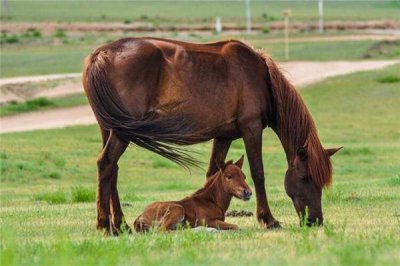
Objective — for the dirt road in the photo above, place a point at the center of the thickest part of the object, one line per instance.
(299, 73)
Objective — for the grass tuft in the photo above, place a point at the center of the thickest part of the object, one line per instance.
(81, 194)
(57, 197)
(55, 175)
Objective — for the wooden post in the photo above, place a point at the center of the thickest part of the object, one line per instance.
(321, 15)
(286, 14)
(248, 16)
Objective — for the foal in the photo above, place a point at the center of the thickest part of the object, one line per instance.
(207, 206)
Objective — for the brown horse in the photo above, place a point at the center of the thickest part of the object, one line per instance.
(159, 94)
(206, 207)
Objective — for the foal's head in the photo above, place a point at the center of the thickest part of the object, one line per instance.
(234, 180)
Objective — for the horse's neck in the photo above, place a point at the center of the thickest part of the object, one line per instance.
(216, 193)
(293, 123)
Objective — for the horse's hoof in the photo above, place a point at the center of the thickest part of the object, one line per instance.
(274, 225)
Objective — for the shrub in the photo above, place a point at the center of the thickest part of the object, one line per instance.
(9, 38)
(39, 102)
(389, 79)
(60, 33)
(35, 33)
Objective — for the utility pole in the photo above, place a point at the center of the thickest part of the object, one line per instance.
(218, 25)
(248, 16)
(6, 8)
(286, 14)
(321, 15)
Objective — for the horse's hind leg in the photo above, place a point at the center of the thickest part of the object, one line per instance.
(219, 151)
(252, 136)
(116, 210)
(113, 148)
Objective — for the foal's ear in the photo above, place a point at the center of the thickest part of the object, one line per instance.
(302, 153)
(332, 151)
(239, 163)
(220, 164)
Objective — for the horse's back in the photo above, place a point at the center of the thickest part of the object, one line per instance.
(207, 81)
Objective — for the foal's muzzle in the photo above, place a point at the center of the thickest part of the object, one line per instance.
(246, 195)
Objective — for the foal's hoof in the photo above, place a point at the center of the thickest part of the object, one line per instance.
(274, 225)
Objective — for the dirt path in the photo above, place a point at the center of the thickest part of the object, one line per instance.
(299, 73)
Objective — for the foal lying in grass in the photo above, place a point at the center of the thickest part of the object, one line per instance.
(206, 207)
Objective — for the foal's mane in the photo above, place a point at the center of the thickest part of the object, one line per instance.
(295, 126)
(210, 181)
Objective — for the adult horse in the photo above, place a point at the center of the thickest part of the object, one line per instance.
(159, 94)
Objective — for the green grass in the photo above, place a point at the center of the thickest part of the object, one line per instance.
(362, 225)
(67, 56)
(13, 108)
(162, 12)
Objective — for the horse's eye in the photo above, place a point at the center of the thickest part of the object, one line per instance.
(228, 176)
(304, 178)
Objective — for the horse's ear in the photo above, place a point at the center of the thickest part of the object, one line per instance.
(332, 151)
(239, 163)
(302, 153)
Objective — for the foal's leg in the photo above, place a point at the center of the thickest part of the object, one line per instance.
(219, 151)
(107, 174)
(252, 136)
(221, 225)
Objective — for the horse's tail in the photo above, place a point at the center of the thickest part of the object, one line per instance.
(159, 135)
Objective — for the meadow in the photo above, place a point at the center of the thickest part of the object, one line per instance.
(203, 11)
(64, 52)
(48, 182)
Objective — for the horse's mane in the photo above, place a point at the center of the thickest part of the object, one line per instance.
(295, 126)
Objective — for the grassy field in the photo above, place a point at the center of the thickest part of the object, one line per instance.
(42, 103)
(48, 181)
(66, 54)
(163, 12)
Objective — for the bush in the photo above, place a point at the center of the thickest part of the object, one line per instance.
(39, 102)
(35, 33)
(389, 79)
(60, 33)
(9, 38)
(265, 30)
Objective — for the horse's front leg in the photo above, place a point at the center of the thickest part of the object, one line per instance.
(219, 151)
(107, 181)
(252, 137)
(221, 225)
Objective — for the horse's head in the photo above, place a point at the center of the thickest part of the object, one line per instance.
(306, 176)
(234, 179)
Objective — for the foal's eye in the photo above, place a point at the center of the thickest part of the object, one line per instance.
(228, 176)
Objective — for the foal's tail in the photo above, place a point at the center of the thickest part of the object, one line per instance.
(159, 135)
